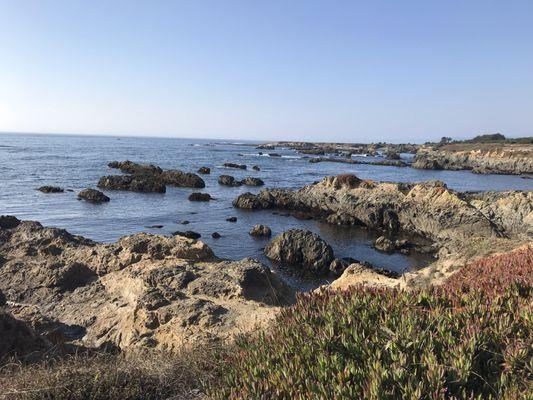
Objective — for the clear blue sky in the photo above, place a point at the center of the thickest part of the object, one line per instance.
(312, 70)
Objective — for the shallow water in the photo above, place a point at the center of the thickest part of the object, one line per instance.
(77, 162)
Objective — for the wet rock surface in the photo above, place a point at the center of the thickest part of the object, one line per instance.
(260, 230)
(196, 196)
(250, 181)
(50, 189)
(188, 234)
(144, 290)
(93, 196)
(228, 180)
(233, 165)
(134, 183)
(204, 170)
(301, 248)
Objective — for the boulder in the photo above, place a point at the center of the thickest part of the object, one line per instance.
(248, 201)
(50, 189)
(204, 170)
(260, 230)
(216, 235)
(228, 180)
(250, 181)
(197, 196)
(301, 248)
(384, 244)
(93, 195)
(233, 165)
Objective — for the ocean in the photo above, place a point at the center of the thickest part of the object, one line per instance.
(77, 162)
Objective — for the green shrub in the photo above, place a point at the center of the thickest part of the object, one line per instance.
(366, 343)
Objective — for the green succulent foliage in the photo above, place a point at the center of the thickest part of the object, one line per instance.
(386, 344)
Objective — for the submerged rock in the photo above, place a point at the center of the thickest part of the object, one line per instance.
(216, 235)
(204, 170)
(302, 248)
(233, 165)
(231, 219)
(260, 230)
(93, 195)
(256, 168)
(50, 189)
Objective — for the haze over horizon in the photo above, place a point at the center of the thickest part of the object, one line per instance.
(309, 70)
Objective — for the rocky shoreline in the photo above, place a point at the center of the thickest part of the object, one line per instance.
(511, 159)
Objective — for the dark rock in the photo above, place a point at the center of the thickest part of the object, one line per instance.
(50, 189)
(215, 235)
(130, 167)
(188, 234)
(338, 265)
(384, 244)
(185, 222)
(178, 178)
(92, 195)
(260, 230)
(135, 183)
(299, 247)
(256, 168)
(197, 196)
(228, 180)
(155, 226)
(233, 165)
(8, 222)
(204, 170)
(392, 155)
(274, 155)
(231, 219)
(266, 147)
(248, 201)
(250, 181)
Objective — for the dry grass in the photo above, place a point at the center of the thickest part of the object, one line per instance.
(144, 375)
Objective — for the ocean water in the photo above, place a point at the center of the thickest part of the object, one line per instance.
(77, 162)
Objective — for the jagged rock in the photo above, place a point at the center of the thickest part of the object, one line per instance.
(93, 195)
(50, 189)
(233, 165)
(228, 180)
(144, 290)
(302, 248)
(260, 230)
(134, 183)
(250, 181)
(188, 234)
(196, 196)
(256, 168)
(8, 222)
(392, 155)
(204, 170)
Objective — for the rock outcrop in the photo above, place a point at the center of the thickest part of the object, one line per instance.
(93, 196)
(427, 209)
(144, 290)
(148, 178)
(301, 248)
(233, 165)
(488, 158)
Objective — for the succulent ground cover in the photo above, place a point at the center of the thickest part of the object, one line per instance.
(470, 338)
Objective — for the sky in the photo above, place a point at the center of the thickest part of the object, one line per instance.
(398, 71)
